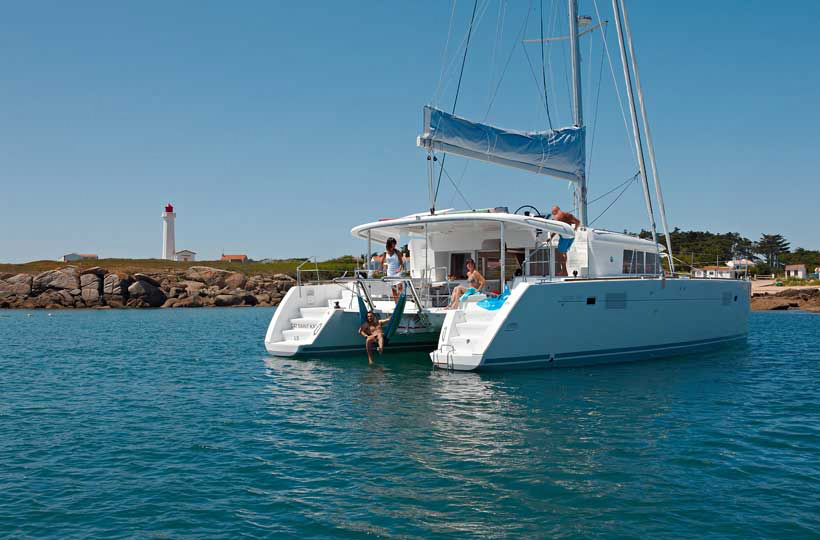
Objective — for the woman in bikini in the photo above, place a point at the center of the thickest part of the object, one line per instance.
(474, 279)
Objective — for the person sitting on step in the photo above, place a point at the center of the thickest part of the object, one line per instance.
(474, 279)
(373, 333)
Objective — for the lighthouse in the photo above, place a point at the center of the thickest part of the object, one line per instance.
(168, 244)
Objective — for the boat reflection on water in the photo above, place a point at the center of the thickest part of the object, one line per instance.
(540, 442)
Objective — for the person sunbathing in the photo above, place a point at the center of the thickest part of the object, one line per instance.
(474, 279)
(373, 333)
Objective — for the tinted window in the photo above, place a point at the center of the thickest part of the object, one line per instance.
(629, 262)
(639, 266)
(651, 263)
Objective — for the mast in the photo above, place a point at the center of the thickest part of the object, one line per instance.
(577, 111)
(634, 116)
(649, 145)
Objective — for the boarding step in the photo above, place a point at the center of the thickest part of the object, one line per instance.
(467, 345)
(298, 334)
(480, 314)
(472, 329)
(305, 322)
(313, 312)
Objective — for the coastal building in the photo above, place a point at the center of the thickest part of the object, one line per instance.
(797, 271)
(725, 272)
(742, 264)
(168, 247)
(234, 258)
(73, 257)
(186, 255)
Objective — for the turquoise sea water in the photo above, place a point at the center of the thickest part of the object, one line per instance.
(177, 424)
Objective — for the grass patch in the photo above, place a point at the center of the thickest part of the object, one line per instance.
(800, 282)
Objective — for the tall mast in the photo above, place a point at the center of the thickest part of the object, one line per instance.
(634, 116)
(649, 146)
(577, 111)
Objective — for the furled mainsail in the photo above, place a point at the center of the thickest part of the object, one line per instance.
(558, 153)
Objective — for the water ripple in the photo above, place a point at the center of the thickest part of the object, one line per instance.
(175, 424)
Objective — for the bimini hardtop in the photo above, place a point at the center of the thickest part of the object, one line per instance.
(452, 226)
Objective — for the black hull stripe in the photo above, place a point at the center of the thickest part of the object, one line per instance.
(613, 352)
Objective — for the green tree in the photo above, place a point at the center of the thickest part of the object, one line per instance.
(771, 246)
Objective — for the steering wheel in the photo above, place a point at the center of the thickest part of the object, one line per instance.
(537, 212)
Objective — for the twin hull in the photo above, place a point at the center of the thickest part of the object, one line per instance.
(543, 324)
(584, 322)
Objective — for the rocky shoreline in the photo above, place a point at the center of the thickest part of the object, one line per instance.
(199, 286)
(796, 299)
(71, 287)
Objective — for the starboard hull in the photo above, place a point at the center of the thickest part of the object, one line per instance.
(588, 322)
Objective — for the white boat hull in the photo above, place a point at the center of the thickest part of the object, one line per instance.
(317, 320)
(586, 322)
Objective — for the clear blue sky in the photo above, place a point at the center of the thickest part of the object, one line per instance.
(273, 128)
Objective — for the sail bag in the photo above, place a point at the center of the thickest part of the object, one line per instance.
(558, 152)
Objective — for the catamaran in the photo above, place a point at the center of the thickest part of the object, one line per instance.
(614, 302)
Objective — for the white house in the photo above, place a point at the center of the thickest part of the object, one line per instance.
(185, 255)
(797, 271)
(740, 264)
(724, 272)
(73, 257)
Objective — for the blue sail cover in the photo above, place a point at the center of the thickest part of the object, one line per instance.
(557, 153)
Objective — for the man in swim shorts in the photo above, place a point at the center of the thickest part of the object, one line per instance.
(372, 331)
(563, 244)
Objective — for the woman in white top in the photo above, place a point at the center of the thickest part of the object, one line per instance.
(392, 261)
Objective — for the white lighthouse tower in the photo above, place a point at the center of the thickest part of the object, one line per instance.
(168, 244)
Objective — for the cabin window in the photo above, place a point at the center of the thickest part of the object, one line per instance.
(639, 265)
(458, 265)
(640, 262)
(629, 262)
(651, 263)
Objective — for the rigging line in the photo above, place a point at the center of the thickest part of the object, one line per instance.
(507, 64)
(616, 199)
(460, 180)
(499, 34)
(457, 52)
(552, 31)
(622, 184)
(565, 63)
(615, 84)
(535, 78)
(543, 68)
(444, 54)
(456, 187)
(458, 90)
(595, 115)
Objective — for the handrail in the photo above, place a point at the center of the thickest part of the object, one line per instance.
(366, 294)
(299, 273)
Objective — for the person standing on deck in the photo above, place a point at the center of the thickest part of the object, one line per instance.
(563, 243)
(391, 262)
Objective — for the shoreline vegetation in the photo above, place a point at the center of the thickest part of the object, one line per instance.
(152, 283)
